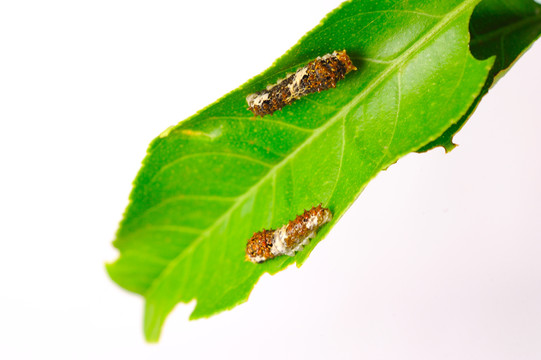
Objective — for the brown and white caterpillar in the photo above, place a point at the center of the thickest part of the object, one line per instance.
(320, 74)
(288, 239)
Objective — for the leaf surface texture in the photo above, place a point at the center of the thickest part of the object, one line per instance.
(213, 180)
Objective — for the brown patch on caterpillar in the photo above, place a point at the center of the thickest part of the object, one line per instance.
(288, 239)
(320, 74)
(259, 246)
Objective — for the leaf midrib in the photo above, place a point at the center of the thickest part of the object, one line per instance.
(394, 65)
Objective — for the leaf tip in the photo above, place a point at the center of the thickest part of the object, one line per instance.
(152, 323)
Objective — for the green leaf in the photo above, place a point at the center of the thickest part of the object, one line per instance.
(504, 29)
(209, 183)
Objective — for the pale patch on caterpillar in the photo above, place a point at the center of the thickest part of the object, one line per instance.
(320, 74)
(288, 239)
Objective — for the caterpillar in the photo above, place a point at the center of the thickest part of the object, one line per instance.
(320, 74)
(288, 239)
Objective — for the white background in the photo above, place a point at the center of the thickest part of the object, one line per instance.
(438, 259)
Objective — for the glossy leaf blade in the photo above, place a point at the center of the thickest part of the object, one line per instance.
(213, 180)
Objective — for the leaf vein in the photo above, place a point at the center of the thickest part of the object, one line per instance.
(263, 120)
(210, 153)
(273, 205)
(383, 12)
(343, 150)
(180, 198)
